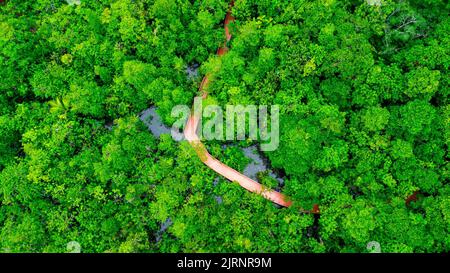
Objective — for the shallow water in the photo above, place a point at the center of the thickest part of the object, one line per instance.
(258, 164)
(218, 199)
(153, 122)
(192, 71)
(164, 226)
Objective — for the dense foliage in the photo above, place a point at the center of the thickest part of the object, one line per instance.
(365, 123)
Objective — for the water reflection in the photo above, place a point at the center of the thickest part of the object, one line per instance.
(192, 71)
(164, 226)
(259, 164)
(153, 122)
